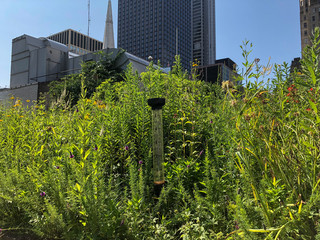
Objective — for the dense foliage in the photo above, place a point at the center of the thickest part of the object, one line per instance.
(239, 164)
(93, 73)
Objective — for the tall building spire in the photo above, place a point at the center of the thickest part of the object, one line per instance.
(108, 39)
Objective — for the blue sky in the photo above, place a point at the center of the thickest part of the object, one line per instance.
(271, 25)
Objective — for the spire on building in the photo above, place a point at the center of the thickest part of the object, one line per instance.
(108, 39)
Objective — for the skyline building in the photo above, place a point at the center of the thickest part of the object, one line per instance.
(160, 29)
(203, 32)
(163, 29)
(309, 19)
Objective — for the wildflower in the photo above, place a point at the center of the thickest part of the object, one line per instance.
(290, 89)
(308, 109)
(71, 155)
(1, 120)
(232, 103)
(211, 121)
(96, 148)
(8, 115)
(194, 65)
(188, 166)
(140, 162)
(77, 110)
(122, 222)
(311, 89)
(12, 98)
(139, 169)
(21, 116)
(126, 148)
(236, 225)
(57, 167)
(299, 73)
(288, 94)
(201, 153)
(42, 194)
(27, 100)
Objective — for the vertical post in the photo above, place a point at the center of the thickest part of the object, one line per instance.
(177, 40)
(157, 131)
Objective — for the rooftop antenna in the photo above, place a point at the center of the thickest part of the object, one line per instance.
(89, 19)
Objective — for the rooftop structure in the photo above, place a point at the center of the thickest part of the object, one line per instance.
(77, 42)
(38, 61)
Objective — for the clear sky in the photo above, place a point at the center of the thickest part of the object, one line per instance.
(271, 25)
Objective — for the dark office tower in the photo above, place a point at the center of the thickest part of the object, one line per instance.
(203, 32)
(160, 29)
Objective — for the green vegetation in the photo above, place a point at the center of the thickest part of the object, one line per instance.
(238, 164)
(93, 73)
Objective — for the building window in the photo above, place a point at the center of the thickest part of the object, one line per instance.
(305, 33)
(305, 25)
(313, 18)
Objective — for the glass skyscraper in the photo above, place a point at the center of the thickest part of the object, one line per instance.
(163, 29)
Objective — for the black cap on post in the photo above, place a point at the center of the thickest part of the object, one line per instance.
(156, 103)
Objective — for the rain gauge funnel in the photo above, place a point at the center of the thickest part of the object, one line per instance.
(157, 132)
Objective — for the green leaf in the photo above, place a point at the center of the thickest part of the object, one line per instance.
(313, 106)
(312, 74)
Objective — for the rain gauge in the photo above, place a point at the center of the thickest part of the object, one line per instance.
(157, 134)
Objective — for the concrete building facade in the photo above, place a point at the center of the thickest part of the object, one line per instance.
(309, 19)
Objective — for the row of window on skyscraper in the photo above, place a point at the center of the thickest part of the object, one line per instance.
(77, 42)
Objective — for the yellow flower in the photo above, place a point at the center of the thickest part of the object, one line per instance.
(21, 116)
(8, 115)
(86, 116)
(95, 102)
(88, 100)
(1, 120)
(27, 100)
(299, 73)
(12, 98)
(194, 65)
